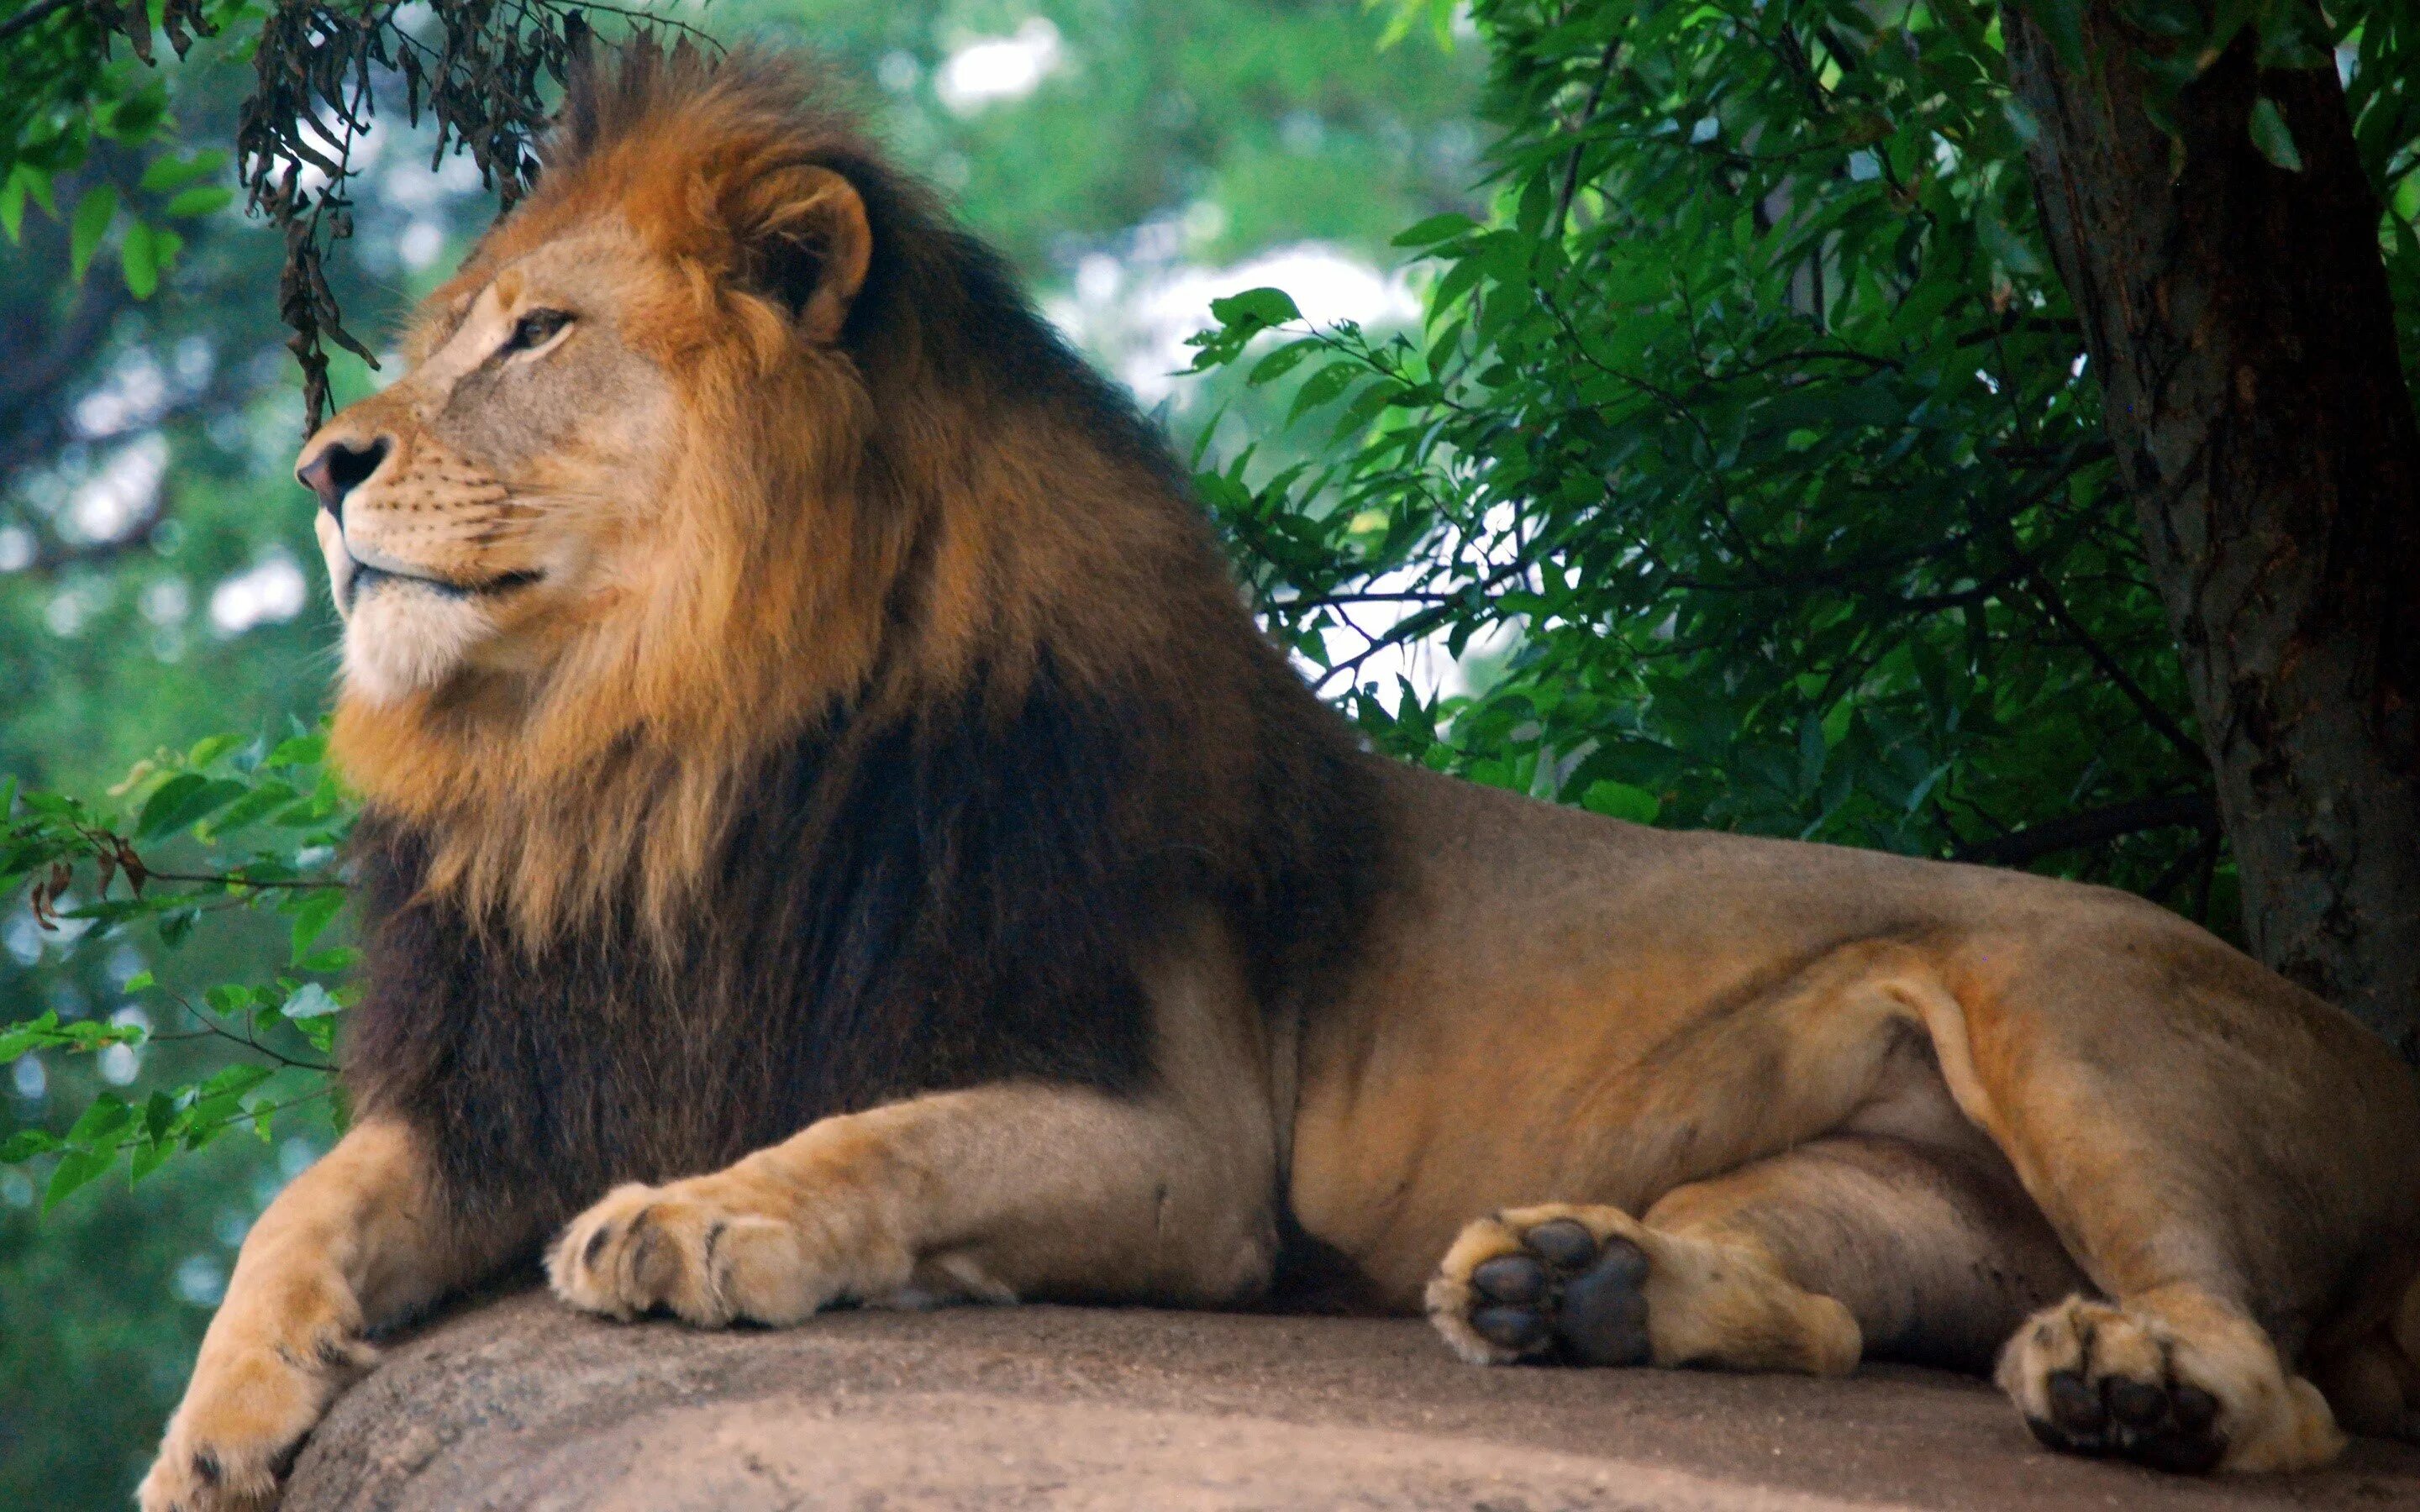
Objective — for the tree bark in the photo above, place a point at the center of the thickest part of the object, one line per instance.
(2238, 318)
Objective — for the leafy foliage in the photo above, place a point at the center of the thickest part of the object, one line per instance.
(1755, 419)
(268, 822)
(68, 95)
(476, 65)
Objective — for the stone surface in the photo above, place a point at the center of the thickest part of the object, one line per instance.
(521, 1404)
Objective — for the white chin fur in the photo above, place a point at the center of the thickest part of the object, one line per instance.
(402, 640)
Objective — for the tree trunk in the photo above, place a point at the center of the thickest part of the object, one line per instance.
(2238, 318)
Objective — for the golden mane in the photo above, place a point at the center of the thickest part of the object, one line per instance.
(859, 528)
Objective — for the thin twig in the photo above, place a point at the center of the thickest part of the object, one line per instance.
(1586, 115)
(247, 1038)
(33, 15)
(234, 879)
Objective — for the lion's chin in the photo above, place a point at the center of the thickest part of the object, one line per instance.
(400, 639)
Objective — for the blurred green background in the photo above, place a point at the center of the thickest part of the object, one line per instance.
(159, 581)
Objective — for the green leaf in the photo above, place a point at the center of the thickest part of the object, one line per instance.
(165, 802)
(140, 981)
(1262, 306)
(134, 117)
(265, 799)
(25, 1144)
(139, 256)
(1321, 387)
(312, 917)
(2270, 136)
(12, 202)
(105, 1121)
(1434, 229)
(340, 958)
(233, 1081)
(165, 174)
(149, 1157)
(297, 751)
(184, 800)
(33, 1034)
(1619, 800)
(211, 748)
(76, 1168)
(1279, 363)
(93, 214)
(198, 201)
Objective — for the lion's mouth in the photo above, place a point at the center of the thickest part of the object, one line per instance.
(365, 576)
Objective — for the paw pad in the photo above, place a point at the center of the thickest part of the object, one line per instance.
(1563, 1295)
(2113, 1389)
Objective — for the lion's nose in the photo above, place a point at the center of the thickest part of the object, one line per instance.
(338, 468)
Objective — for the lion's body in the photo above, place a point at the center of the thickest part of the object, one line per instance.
(1551, 1005)
(835, 833)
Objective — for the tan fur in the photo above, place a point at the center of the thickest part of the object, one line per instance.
(2208, 1144)
(1842, 1102)
(354, 1245)
(603, 726)
(1001, 1193)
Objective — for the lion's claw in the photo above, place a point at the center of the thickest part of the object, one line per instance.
(681, 1250)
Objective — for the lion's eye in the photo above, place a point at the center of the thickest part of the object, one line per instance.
(534, 329)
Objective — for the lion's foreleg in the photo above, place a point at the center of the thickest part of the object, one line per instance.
(353, 1243)
(995, 1193)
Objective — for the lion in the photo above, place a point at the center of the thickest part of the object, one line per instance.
(835, 833)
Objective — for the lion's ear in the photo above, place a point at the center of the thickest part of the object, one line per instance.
(805, 242)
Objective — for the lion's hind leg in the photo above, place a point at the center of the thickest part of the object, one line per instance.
(2369, 1367)
(2223, 1156)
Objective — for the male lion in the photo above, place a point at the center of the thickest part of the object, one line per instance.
(832, 833)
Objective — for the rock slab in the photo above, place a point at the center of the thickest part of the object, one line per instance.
(520, 1404)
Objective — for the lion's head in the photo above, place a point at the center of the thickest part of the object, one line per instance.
(547, 490)
(721, 430)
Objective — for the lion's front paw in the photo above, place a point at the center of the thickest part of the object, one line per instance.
(1546, 1282)
(696, 1255)
(243, 1420)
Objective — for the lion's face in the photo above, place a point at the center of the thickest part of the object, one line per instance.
(477, 513)
(606, 541)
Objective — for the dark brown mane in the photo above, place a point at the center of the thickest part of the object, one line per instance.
(1073, 738)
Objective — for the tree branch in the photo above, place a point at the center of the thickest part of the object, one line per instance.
(1587, 113)
(32, 16)
(2097, 827)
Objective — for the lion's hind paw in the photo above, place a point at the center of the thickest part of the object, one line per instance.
(2096, 1379)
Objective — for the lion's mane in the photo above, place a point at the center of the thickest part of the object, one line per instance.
(961, 716)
